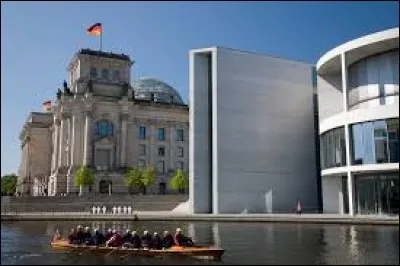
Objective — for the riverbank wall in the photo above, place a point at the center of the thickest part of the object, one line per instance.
(172, 216)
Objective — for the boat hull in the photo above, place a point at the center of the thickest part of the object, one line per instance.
(196, 252)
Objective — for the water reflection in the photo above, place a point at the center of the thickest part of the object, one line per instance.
(248, 243)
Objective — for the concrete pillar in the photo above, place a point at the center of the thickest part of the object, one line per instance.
(87, 141)
(124, 128)
(344, 82)
(350, 183)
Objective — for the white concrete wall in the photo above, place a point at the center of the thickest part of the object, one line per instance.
(332, 194)
(330, 97)
(263, 140)
(200, 187)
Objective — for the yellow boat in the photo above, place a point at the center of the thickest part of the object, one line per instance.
(196, 252)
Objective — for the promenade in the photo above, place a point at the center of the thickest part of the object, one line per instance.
(176, 216)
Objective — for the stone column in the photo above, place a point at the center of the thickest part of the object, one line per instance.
(124, 129)
(61, 148)
(69, 152)
(72, 140)
(56, 140)
(87, 141)
(153, 149)
(68, 143)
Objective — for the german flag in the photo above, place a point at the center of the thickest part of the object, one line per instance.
(96, 29)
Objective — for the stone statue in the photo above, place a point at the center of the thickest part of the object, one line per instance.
(89, 87)
(125, 88)
(59, 93)
(67, 90)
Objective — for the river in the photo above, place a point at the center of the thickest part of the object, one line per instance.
(24, 243)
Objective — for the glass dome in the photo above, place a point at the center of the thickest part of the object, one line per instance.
(162, 91)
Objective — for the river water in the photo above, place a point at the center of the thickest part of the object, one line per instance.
(24, 243)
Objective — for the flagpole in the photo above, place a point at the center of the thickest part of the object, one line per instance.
(101, 40)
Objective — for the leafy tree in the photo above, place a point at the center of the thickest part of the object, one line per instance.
(8, 184)
(180, 181)
(84, 176)
(148, 177)
(133, 178)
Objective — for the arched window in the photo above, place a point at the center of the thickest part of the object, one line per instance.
(104, 128)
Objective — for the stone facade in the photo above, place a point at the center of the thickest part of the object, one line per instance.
(98, 122)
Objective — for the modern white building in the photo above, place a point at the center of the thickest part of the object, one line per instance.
(252, 143)
(358, 97)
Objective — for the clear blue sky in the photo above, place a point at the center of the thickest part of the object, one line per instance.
(38, 39)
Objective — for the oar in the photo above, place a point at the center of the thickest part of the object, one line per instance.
(111, 251)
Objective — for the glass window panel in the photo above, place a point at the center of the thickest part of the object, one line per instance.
(161, 167)
(161, 134)
(179, 134)
(105, 73)
(357, 147)
(368, 143)
(161, 151)
(393, 136)
(142, 132)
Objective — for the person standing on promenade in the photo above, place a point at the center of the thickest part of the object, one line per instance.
(298, 208)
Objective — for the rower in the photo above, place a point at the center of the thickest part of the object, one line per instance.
(182, 240)
(135, 240)
(127, 237)
(155, 243)
(98, 238)
(57, 236)
(115, 240)
(168, 240)
(80, 234)
(73, 237)
(109, 234)
(146, 239)
(87, 236)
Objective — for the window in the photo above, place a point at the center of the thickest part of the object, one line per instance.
(102, 158)
(104, 128)
(93, 72)
(179, 165)
(105, 74)
(161, 151)
(142, 149)
(179, 134)
(142, 132)
(161, 167)
(115, 75)
(180, 152)
(161, 134)
(141, 164)
(375, 142)
(333, 153)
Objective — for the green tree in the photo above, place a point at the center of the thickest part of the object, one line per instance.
(180, 181)
(148, 178)
(133, 178)
(8, 184)
(84, 176)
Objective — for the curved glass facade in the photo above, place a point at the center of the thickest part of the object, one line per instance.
(377, 193)
(162, 92)
(333, 148)
(374, 81)
(375, 142)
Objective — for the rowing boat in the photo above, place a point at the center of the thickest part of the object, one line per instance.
(196, 252)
